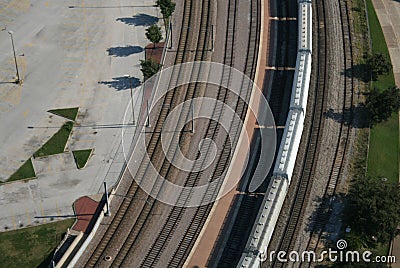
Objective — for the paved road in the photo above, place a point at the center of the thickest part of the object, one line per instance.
(388, 12)
(70, 54)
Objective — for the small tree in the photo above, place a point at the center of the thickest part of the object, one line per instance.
(153, 33)
(149, 68)
(381, 104)
(167, 8)
(379, 64)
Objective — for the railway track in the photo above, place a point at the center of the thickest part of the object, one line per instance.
(325, 210)
(307, 173)
(165, 234)
(120, 225)
(131, 217)
(191, 233)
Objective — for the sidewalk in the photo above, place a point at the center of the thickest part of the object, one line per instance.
(388, 12)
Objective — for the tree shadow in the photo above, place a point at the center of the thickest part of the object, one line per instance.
(317, 220)
(139, 20)
(124, 51)
(356, 116)
(122, 83)
(361, 72)
(326, 215)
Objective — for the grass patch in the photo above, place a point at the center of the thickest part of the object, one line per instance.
(57, 143)
(383, 157)
(26, 171)
(82, 157)
(30, 247)
(69, 113)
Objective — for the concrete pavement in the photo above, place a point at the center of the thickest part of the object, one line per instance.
(70, 54)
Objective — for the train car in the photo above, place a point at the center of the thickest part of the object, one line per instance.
(290, 143)
(255, 251)
(267, 217)
(305, 26)
(301, 82)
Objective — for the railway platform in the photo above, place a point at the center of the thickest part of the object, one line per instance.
(85, 209)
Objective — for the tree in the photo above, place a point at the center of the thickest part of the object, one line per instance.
(374, 208)
(167, 8)
(149, 68)
(379, 64)
(381, 104)
(153, 33)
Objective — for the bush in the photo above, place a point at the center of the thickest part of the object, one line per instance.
(381, 104)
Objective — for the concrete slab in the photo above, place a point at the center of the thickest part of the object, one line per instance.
(395, 57)
(385, 21)
(391, 40)
(69, 54)
(378, 4)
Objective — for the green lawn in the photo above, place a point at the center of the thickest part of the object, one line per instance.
(69, 113)
(26, 171)
(30, 247)
(57, 143)
(81, 157)
(383, 157)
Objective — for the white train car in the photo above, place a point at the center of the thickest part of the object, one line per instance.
(305, 26)
(255, 251)
(301, 81)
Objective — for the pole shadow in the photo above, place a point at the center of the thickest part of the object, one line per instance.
(119, 6)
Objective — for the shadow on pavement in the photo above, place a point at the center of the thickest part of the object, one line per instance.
(122, 83)
(124, 51)
(139, 20)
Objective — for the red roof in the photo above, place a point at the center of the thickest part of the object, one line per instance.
(85, 208)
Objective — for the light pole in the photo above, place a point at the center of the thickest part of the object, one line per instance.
(131, 89)
(15, 57)
(107, 214)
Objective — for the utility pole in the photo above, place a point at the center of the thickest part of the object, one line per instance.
(18, 80)
(107, 214)
(212, 37)
(170, 33)
(148, 115)
(192, 129)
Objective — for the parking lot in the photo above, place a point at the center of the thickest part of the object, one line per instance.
(69, 54)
